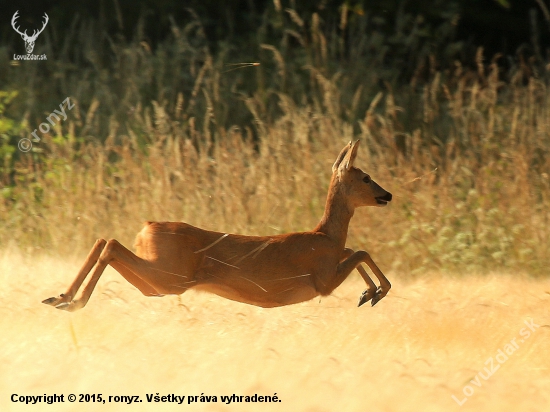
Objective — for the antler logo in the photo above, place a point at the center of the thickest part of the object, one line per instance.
(29, 40)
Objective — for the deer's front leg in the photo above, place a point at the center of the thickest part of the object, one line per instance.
(385, 284)
(370, 291)
(354, 261)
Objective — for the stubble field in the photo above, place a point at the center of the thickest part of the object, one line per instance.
(418, 347)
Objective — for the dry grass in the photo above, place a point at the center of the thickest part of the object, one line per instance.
(423, 343)
(170, 134)
(473, 211)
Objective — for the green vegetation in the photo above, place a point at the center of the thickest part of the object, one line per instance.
(178, 133)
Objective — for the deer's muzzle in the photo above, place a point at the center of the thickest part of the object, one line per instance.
(383, 200)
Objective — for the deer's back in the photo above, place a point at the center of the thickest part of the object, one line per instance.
(277, 255)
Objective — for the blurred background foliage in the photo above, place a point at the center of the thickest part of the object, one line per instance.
(450, 98)
(96, 48)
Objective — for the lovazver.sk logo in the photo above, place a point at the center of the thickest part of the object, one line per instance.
(29, 40)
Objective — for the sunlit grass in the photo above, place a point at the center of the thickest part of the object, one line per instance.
(421, 344)
(166, 134)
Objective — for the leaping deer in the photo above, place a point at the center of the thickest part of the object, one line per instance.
(29, 40)
(267, 271)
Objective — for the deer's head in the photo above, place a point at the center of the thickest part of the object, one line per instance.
(357, 186)
(29, 40)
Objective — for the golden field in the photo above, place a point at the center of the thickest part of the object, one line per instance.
(415, 349)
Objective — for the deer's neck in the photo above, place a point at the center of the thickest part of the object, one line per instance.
(338, 213)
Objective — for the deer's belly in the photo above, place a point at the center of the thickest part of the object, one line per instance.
(265, 296)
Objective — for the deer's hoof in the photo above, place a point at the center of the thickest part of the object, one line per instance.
(378, 295)
(55, 301)
(367, 295)
(69, 306)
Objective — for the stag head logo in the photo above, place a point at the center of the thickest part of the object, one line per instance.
(29, 40)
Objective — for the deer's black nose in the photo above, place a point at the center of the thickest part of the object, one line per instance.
(386, 198)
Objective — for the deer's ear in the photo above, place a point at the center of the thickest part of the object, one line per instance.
(350, 155)
(341, 156)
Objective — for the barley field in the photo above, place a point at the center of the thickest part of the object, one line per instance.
(414, 350)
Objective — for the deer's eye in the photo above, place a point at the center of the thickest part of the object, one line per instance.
(367, 179)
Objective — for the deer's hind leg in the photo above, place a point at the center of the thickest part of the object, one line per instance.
(89, 263)
(149, 277)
